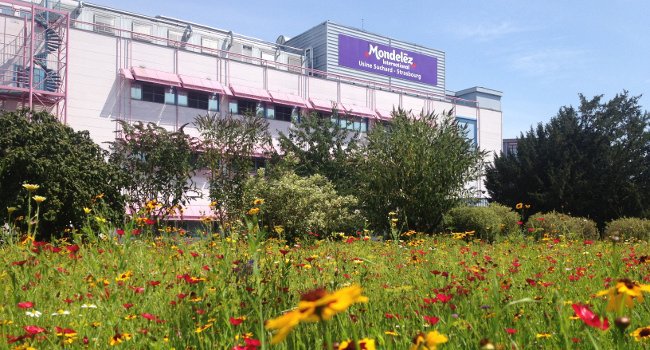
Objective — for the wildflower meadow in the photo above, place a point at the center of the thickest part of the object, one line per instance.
(143, 287)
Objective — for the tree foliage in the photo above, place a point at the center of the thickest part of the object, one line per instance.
(68, 166)
(316, 145)
(417, 167)
(228, 146)
(592, 161)
(155, 165)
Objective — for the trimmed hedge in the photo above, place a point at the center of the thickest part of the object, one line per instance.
(554, 224)
(627, 228)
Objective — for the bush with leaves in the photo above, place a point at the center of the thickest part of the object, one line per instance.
(484, 222)
(509, 219)
(295, 206)
(417, 167)
(156, 167)
(627, 228)
(554, 224)
(69, 167)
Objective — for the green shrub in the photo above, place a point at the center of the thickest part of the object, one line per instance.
(554, 224)
(301, 205)
(69, 167)
(627, 228)
(484, 221)
(509, 219)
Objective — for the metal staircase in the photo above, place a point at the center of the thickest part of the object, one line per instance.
(52, 41)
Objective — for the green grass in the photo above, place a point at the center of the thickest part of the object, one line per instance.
(182, 285)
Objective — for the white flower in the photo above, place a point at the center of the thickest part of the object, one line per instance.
(33, 314)
(88, 306)
(61, 312)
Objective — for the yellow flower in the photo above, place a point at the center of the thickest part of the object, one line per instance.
(253, 211)
(258, 201)
(365, 343)
(543, 335)
(39, 199)
(11, 209)
(315, 306)
(119, 338)
(30, 187)
(124, 276)
(519, 206)
(202, 328)
(87, 210)
(625, 292)
(642, 333)
(392, 333)
(429, 341)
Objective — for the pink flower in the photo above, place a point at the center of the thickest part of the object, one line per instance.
(33, 330)
(25, 305)
(589, 317)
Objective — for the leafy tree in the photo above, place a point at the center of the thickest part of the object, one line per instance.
(228, 146)
(592, 161)
(68, 166)
(418, 167)
(156, 167)
(315, 145)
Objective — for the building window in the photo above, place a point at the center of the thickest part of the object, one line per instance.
(173, 96)
(284, 113)
(210, 46)
(21, 77)
(213, 103)
(182, 98)
(198, 100)
(104, 24)
(174, 38)
(469, 125)
(259, 163)
(141, 32)
(350, 122)
(250, 107)
(148, 92)
(136, 91)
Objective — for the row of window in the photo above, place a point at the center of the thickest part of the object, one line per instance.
(264, 110)
(205, 101)
(174, 96)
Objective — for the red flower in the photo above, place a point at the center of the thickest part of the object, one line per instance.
(25, 305)
(443, 298)
(127, 305)
(236, 321)
(149, 317)
(153, 283)
(511, 330)
(432, 320)
(33, 330)
(119, 231)
(589, 317)
(72, 248)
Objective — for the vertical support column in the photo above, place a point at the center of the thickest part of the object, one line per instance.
(31, 60)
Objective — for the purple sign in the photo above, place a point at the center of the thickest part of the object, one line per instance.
(386, 60)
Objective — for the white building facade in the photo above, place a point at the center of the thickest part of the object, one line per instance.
(93, 65)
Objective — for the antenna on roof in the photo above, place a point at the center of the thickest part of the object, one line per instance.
(362, 24)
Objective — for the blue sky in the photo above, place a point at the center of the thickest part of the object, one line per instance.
(541, 54)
